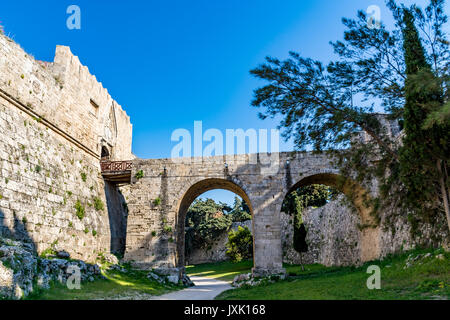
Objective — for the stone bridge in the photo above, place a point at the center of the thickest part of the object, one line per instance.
(161, 194)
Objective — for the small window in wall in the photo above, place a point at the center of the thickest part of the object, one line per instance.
(105, 154)
(94, 109)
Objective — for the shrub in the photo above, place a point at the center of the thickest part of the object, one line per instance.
(240, 244)
(83, 176)
(98, 204)
(80, 211)
(48, 252)
(139, 174)
(157, 201)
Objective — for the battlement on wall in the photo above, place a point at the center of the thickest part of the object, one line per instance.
(69, 68)
(65, 94)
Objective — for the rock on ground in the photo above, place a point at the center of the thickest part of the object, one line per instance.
(21, 269)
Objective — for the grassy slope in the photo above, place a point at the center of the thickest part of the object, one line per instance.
(131, 285)
(428, 279)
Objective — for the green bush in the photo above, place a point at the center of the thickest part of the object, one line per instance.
(157, 201)
(98, 204)
(48, 252)
(139, 174)
(240, 244)
(80, 211)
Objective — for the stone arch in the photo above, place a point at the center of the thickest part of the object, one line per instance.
(190, 195)
(359, 196)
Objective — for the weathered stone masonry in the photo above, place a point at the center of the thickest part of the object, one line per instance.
(54, 120)
(155, 234)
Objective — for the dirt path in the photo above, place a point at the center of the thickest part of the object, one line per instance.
(204, 289)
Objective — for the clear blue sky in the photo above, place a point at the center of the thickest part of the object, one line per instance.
(169, 63)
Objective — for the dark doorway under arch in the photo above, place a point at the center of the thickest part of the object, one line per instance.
(105, 156)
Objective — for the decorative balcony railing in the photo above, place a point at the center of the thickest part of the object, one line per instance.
(115, 166)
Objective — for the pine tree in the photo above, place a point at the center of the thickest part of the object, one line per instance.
(326, 107)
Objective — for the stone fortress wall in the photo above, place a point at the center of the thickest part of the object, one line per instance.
(55, 121)
(55, 117)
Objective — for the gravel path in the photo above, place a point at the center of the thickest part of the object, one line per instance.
(204, 289)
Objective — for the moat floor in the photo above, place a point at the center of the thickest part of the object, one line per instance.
(204, 289)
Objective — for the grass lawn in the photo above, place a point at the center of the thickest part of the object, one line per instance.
(130, 286)
(428, 278)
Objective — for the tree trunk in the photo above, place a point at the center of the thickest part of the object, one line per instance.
(301, 261)
(443, 191)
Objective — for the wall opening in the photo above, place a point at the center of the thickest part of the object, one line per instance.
(105, 156)
(118, 217)
(323, 220)
(302, 223)
(94, 109)
(195, 208)
(209, 221)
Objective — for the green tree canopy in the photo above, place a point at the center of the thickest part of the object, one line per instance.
(206, 220)
(426, 147)
(375, 70)
(240, 244)
(240, 211)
